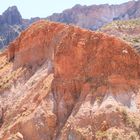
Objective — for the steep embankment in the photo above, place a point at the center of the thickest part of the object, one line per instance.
(70, 84)
(128, 30)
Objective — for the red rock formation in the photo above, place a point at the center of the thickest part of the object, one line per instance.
(91, 17)
(80, 81)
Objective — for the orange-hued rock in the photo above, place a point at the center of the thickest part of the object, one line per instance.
(71, 84)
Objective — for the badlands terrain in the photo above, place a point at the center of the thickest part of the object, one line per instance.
(61, 82)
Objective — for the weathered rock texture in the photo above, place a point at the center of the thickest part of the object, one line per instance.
(66, 83)
(95, 16)
(91, 17)
(11, 25)
(11, 16)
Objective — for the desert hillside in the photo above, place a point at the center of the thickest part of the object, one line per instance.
(128, 30)
(60, 82)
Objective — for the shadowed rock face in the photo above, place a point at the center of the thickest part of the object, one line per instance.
(11, 16)
(66, 83)
(132, 13)
(10, 25)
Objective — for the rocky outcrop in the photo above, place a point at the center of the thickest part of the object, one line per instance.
(8, 34)
(11, 16)
(91, 17)
(132, 13)
(67, 83)
(10, 25)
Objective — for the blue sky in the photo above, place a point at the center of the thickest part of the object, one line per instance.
(44, 8)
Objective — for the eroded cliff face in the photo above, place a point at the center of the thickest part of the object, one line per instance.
(69, 84)
(95, 16)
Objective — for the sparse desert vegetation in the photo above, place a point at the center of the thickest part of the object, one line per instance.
(128, 30)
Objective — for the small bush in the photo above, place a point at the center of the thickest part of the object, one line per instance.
(133, 136)
(136, 40)
(101, 135)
